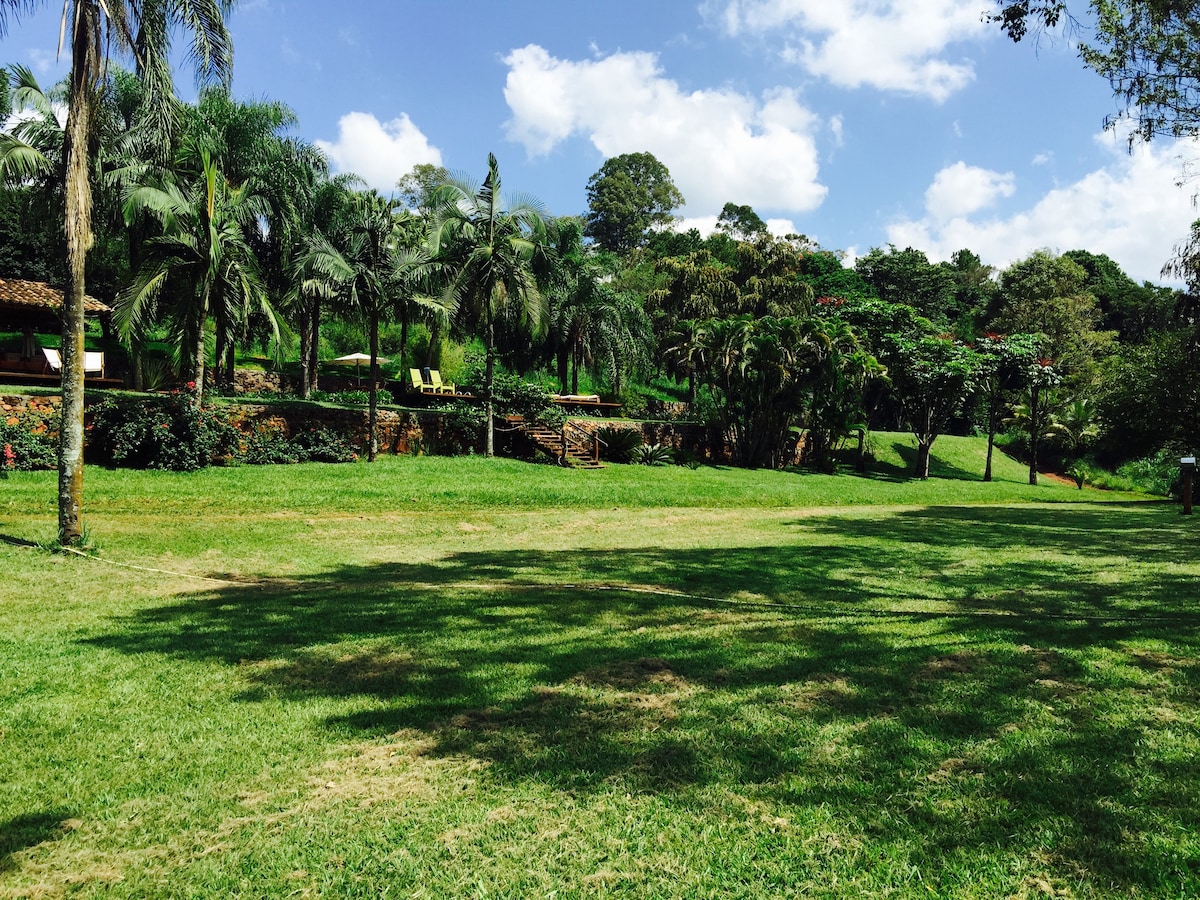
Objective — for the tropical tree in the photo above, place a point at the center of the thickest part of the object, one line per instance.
(761, 374)
(249, 143)
(1005, 362)
(490, 245)
(379, 260)
(143, 29)
(837, 407)
(1034, 414)
(201, 263)
(932, 377)
(592, 323)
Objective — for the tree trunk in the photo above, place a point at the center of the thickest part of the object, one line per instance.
(77, 226)
(923, 448)
(222, 343)
(198, 363)
(314, 348)
(1035, 430)
(403, 334)
(575, 373)
(435, 338)
(488, 371)
(305, 344)
(562, 369)
(373, 391)
(230, 363)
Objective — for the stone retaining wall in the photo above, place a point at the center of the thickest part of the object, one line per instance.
(398, 432)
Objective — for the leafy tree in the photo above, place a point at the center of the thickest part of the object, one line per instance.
(1149, 397)
(490, 245)
(824, 272)
(974, 292)
(1004, 365)
(143, 29)
(1035, 413)
(418, 187)
(741, 223)
(629, 195)
(1047, 295)
(932, 377)
(1149, 50)
(1132, 310)
(907, 276)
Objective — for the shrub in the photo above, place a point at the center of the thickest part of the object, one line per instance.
(172, 432)
(268, 446)
(461, 429)
(323, 445)
(1156, 474)
(652, 455)
(618, 444)
(24, 451)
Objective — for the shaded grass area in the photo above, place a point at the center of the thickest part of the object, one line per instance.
(738, 700)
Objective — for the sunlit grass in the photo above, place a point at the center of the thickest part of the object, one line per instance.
(466, 677)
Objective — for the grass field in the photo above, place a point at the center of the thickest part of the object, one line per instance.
(473, 678)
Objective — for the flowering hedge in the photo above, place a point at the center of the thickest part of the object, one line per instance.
(175, 432)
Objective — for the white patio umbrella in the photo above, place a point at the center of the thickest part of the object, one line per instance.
(356, 360)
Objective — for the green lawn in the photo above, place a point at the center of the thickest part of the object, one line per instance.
(468, 678)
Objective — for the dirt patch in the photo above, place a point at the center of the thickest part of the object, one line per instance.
(819, 692)
(964, 662)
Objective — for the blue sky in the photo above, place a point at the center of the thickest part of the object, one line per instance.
(855, 122)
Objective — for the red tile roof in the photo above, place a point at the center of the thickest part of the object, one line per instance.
(39, 295)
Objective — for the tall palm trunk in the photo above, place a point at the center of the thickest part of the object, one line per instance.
(305, 342)
(488, 372)
(77, 225)
(315, 347)
(373, 406)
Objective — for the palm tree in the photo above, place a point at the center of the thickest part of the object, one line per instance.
(201, 261)
(248, 143)
(377, 260)
(143, 29)
(491, 247)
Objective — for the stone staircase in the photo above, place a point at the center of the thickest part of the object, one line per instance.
(572, 446)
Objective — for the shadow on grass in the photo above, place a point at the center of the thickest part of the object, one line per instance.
(22, 832)
(938, 467)
(961, 679)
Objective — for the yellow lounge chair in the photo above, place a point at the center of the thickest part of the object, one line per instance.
(420, 384)
(441, 387)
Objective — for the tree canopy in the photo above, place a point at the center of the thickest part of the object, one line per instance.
(629, 195)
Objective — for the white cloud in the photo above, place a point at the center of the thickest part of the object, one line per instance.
(892, 45)
(719, 145)
(706, 225)
(838, 126)
(960, 190)
(1131, 209)
(379, 152)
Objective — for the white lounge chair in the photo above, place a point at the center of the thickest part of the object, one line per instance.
(93, 362)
